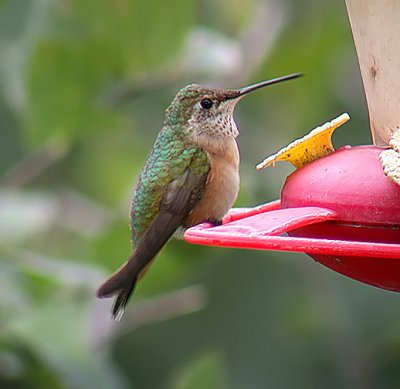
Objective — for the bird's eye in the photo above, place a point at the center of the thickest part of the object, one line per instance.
(206, 103)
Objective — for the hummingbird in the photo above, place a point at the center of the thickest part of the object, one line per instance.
(191, 176)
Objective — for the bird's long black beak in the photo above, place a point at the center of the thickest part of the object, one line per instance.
(251, 88)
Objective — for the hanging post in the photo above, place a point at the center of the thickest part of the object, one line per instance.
(375, 26)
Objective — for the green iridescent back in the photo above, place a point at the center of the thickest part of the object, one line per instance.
(171, 155)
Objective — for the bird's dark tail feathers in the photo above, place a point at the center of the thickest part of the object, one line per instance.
(122, 282)
(122, 300)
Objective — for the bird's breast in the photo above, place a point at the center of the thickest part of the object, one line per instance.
(221, 188)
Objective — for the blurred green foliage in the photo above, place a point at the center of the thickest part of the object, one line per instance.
(83, 88)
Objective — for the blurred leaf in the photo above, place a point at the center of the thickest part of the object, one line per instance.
(21, 24)
(71, 354)
(69, 72)
(207, 371)
(63, 89)
(23, 214)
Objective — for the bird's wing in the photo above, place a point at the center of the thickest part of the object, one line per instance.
(178, 199)
(168, 161)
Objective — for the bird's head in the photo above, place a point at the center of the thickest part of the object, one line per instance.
(207, 111)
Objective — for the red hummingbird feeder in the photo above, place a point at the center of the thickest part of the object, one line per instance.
(341, 210)
(340, 207)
